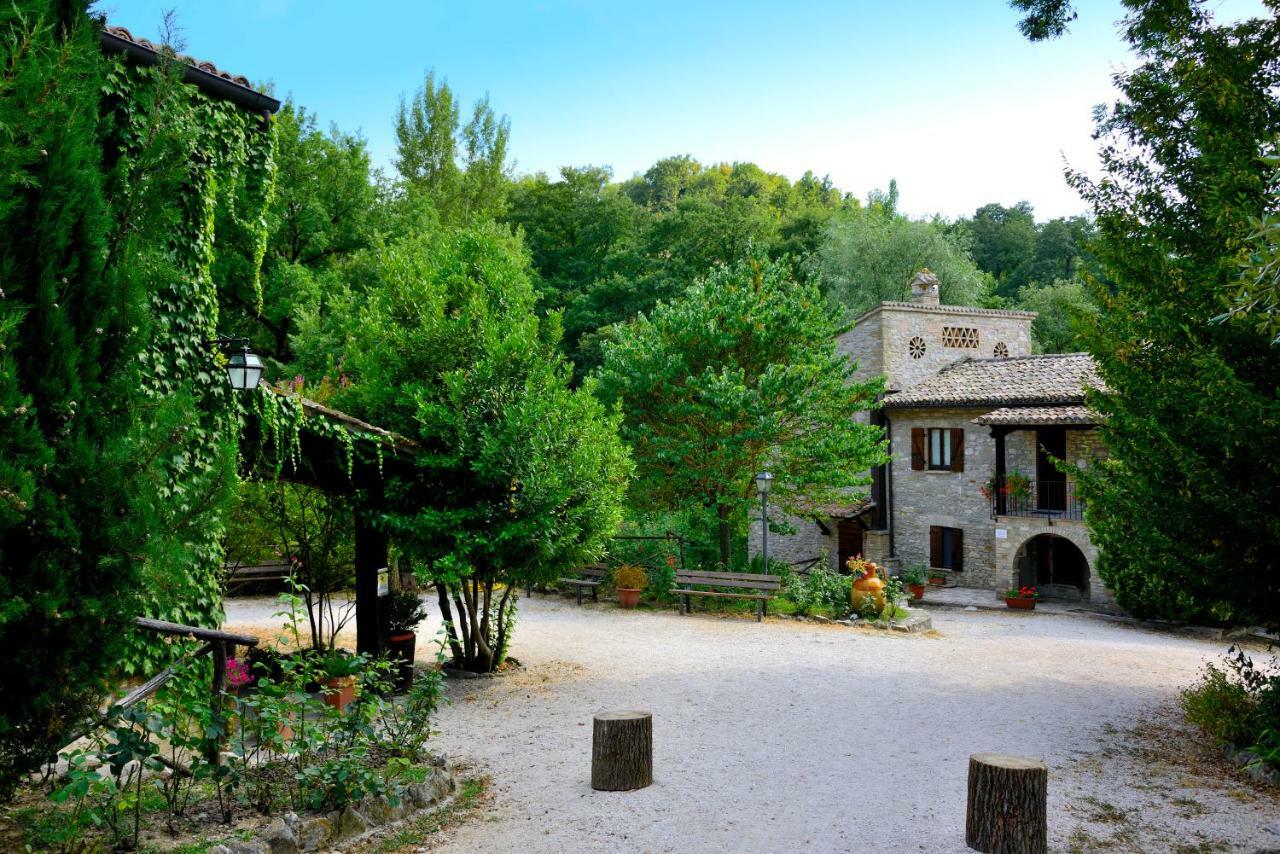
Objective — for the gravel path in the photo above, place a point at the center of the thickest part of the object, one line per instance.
(791, 736)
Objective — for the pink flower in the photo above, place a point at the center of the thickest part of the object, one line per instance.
(238, 673)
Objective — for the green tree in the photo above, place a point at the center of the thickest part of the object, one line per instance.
(1003, 243)
(1062, 309)
(74, 434)
(461, 169)
(320, 215)
(1186, 512)
(739, 374)
(870, 255)
(520, 477)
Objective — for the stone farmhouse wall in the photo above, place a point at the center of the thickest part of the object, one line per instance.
(922, 499)
(881, 339)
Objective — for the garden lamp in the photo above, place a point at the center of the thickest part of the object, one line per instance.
(244, 367)
(764, 483)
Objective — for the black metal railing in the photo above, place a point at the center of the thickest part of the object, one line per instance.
(1052, 499)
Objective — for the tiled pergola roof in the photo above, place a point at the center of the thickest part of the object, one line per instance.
(1052, 380)
(1038, 416)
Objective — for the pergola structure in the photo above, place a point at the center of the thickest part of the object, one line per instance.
(342, 466)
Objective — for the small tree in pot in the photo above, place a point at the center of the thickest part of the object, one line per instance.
(403, 611)
(630, 581)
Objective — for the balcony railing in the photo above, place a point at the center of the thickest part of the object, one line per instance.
(1051, 499)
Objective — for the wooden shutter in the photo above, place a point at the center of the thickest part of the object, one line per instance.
(957, 550)
(918, 436)
(957, 449)
(935, 546)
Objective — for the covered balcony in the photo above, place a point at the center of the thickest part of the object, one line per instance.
(1050, 493)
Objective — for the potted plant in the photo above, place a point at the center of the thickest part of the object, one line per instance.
(1022, 598)
(937, 577)
(630, 581)
(403, 611)
(913, 578)
(339, 682)
(867, 584)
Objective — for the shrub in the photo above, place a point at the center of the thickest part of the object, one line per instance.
(630, 577)
(818, 588)
(403, 611)
(1223, 706)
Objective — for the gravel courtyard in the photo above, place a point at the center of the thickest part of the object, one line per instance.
(794, 736)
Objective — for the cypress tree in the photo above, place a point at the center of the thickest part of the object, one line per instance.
(69, 411)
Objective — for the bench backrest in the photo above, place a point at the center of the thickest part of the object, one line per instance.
(745, 580)
(595, 571)
(269, 568)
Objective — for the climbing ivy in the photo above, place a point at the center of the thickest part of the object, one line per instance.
(182, 163)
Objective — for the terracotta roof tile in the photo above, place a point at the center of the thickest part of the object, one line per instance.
(1033, 416)
(1019, 381)
(209, 67)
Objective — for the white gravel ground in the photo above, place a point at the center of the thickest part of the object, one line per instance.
(788, 736)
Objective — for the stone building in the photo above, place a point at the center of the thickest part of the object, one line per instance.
(974, 421)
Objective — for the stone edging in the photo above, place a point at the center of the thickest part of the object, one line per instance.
(917, 621)
(1242, 756)
(293, 834)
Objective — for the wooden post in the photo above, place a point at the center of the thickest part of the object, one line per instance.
(1007, 811)
(622, 751)
(213, 747)
(371, 556)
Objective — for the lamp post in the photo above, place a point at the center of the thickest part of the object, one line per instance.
(764, 483)
(244, 367)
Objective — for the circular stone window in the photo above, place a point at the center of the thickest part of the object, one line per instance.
(916, 347)
(1001, 351)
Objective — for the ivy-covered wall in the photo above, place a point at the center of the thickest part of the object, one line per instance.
(189, 176)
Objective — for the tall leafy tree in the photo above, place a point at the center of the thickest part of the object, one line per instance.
(870, 255)
(322, 213)
(739, 374)
(520, 477)
(462, 169)
(1187, 510)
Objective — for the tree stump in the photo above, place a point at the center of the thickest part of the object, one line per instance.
(1007, 811)
(622, 751)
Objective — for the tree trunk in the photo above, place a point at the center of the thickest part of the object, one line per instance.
(722, 512)
(622, 751)
(1007, 811)
(446, 614)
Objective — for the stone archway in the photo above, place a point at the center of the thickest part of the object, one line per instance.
(1054, 565)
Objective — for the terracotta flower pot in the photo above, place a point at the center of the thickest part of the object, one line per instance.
(628, 598)
(937, 580)
(917, 592)
(341, 691)
(401, 647)
(1019, 603)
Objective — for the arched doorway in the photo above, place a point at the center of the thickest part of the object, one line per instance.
(1055, 566)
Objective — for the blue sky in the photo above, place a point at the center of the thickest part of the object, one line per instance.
(945, 96)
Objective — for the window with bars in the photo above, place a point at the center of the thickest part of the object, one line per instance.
(960, 337)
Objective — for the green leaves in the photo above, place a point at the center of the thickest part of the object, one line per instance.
(740, 374)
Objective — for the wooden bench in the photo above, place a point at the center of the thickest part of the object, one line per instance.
(762, 587)
(589, 578)
(271, 571)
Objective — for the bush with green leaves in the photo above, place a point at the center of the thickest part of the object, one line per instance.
(817, 588)
(1237, 703)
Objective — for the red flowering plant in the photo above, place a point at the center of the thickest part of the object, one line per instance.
(238, 674)
(1016, 485)
(1021, 593)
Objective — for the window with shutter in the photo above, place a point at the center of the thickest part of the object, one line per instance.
(917, 448)
(942, 447)
(957, 450)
